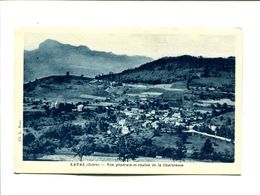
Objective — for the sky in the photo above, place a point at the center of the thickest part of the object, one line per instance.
(154, 43)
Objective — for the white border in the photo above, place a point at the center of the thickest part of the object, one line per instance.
(241, 14)
(133, 167)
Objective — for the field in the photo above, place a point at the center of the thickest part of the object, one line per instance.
(213, 82)
(101, 120)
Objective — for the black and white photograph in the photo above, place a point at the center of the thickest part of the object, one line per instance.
(129, 97)
(150, 95)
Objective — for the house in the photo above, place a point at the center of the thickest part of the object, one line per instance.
(93, 81)
(155, 124)
(213, 128)
(145, 124)
(211, 89)
(125, 130)
(80, 107)
(121, 122)
(176, 115)
(89, 107)
(54, 105)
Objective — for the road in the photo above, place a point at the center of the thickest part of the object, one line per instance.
(209, 135)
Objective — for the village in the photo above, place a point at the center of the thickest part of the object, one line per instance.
(149, 115)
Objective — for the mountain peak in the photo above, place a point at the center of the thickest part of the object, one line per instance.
(54, 58)
(50, 43)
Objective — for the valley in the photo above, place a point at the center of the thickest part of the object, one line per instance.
(99, 119)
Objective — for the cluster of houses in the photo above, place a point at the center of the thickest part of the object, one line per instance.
(199, 88)
(132, 115)
(131, 118)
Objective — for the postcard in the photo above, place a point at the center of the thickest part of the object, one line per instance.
(153, 100)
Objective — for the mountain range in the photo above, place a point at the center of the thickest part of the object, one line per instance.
(55, 58)
(172, 69)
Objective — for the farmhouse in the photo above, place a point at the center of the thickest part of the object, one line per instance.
(80, 107)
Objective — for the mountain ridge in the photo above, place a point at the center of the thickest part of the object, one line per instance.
(54, 58)
(172, 69)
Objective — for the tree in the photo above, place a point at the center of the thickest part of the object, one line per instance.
(224, 107)
(146, 147)
(167, 152)
(195, 155)
(28, 139)
(226, 131)
(103, 125)
(181, 150)
(206, 71)
(157, 132)
(100, 109)
(127, 147)
(64, 134)
(91, 127)
(41, 145)
(48, 146)
(180, 130)
(207, 150)
(205, 128)
(33, 149)
(85, 147)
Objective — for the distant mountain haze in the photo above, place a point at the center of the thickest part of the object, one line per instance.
(55, 58)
